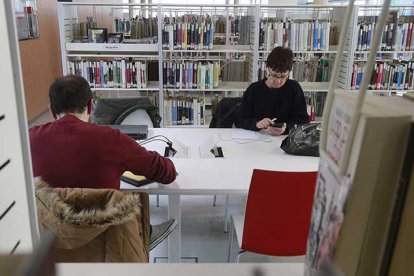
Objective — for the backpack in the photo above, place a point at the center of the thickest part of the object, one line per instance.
(114, 111)
(226, 113)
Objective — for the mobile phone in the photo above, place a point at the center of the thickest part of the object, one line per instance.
(278, 124)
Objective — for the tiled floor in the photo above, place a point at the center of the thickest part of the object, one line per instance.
(203, 237)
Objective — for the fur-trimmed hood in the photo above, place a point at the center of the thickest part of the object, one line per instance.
(78, 215)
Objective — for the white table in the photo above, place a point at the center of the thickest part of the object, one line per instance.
(285, 269)
(202, 174)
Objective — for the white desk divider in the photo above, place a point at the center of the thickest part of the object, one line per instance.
(182, 150)
(206, 146)
(18, 221)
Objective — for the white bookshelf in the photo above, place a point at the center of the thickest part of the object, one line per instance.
(112, 47)
(217, 49)
(240, 49)
(71, 14)
(364, 18)
(223, 86)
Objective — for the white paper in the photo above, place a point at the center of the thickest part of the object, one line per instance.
(243, 134)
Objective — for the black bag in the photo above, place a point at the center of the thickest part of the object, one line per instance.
(303, 140)
(114, 111)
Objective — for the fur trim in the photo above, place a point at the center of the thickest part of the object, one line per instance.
(115, 210)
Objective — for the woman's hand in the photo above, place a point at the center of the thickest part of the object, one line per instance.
(264, 123)
(267, 123)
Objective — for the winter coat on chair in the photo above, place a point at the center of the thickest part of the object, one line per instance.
(94, 225)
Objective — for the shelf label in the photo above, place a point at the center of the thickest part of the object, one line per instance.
(111, 47)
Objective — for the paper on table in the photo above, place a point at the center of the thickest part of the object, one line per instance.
(237, 133)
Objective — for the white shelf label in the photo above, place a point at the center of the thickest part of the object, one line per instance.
(111, 47)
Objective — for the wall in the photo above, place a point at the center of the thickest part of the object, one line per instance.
(41, 60)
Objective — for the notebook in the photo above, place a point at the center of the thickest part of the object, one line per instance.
(137, 132)
(133, 179)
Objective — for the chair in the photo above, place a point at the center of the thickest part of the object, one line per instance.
(224, 117)
(278, 214)
(226, 113)
(135, 111)
(94, 225)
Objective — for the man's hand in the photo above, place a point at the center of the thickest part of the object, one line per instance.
(276, 131)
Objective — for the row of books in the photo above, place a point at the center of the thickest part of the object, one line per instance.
(315, 102)
(314, 69)
(110, 74)
(394, 38)
(122, 25)
(246, 24)
(221, 22)
(81, 29)
(191, 75)
(144, 28)
(299, 36)
(396, 75)
(184, 111)
(188, 36)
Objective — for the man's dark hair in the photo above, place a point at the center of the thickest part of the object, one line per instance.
(280, 59)
(69, 94)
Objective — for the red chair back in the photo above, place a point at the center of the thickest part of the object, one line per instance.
(278, 212)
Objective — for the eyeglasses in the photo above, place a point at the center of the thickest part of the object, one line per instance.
(278, 76)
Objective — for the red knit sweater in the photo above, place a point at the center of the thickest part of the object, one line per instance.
(71, 153)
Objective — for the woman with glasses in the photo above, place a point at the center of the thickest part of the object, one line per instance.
(276, 103)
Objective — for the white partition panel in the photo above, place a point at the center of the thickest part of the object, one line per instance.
(18, 222)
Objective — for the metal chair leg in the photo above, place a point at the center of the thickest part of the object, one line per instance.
(214, 200)
(231, 236)
(241, 252)
(226, 214)
(158, 200)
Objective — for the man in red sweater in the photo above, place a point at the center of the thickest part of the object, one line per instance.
(72, 153)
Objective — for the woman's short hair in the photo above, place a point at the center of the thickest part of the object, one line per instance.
(280, 59)
(69, 94)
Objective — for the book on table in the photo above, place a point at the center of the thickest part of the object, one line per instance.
(134, 179)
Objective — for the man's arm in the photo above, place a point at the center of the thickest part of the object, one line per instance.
(140, 161)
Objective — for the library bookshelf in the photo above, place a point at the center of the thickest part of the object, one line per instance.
(393, 71)
(188, 57)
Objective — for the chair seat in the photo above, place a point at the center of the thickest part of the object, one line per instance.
(238, 223)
